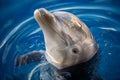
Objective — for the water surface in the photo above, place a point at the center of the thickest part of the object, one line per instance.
(20, 34)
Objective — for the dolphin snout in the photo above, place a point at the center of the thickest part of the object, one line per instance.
(44, 16)
(43, 11)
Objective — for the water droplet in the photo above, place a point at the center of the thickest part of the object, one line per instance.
(109, 53)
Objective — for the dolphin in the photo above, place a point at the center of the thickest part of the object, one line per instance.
(68, 40)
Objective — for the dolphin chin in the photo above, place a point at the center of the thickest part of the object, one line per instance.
(68, 40)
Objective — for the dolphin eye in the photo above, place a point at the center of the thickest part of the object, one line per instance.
(75, 50)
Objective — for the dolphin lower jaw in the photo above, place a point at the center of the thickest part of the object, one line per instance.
(60, 64)
(53, 61)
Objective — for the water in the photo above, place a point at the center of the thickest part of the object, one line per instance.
(20, 33)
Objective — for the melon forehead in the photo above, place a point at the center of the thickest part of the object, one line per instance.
(65, 15)
(67, 18)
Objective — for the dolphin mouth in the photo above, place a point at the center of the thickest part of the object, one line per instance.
(45, 18)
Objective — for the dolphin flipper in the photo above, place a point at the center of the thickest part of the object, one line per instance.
(34, 56)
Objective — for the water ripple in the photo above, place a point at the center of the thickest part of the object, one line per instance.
(90, 7)
(27, 36)
(13, 31)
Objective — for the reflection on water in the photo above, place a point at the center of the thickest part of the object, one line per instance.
(21, 34)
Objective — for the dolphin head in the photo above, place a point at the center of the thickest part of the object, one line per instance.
(68, 40)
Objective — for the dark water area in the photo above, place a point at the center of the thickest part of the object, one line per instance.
(20, 34)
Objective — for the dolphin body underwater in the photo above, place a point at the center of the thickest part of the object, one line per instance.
(70, 46)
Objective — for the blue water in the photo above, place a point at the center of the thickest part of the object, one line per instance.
(20, 34)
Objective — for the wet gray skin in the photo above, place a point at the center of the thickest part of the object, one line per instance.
(68, 41)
